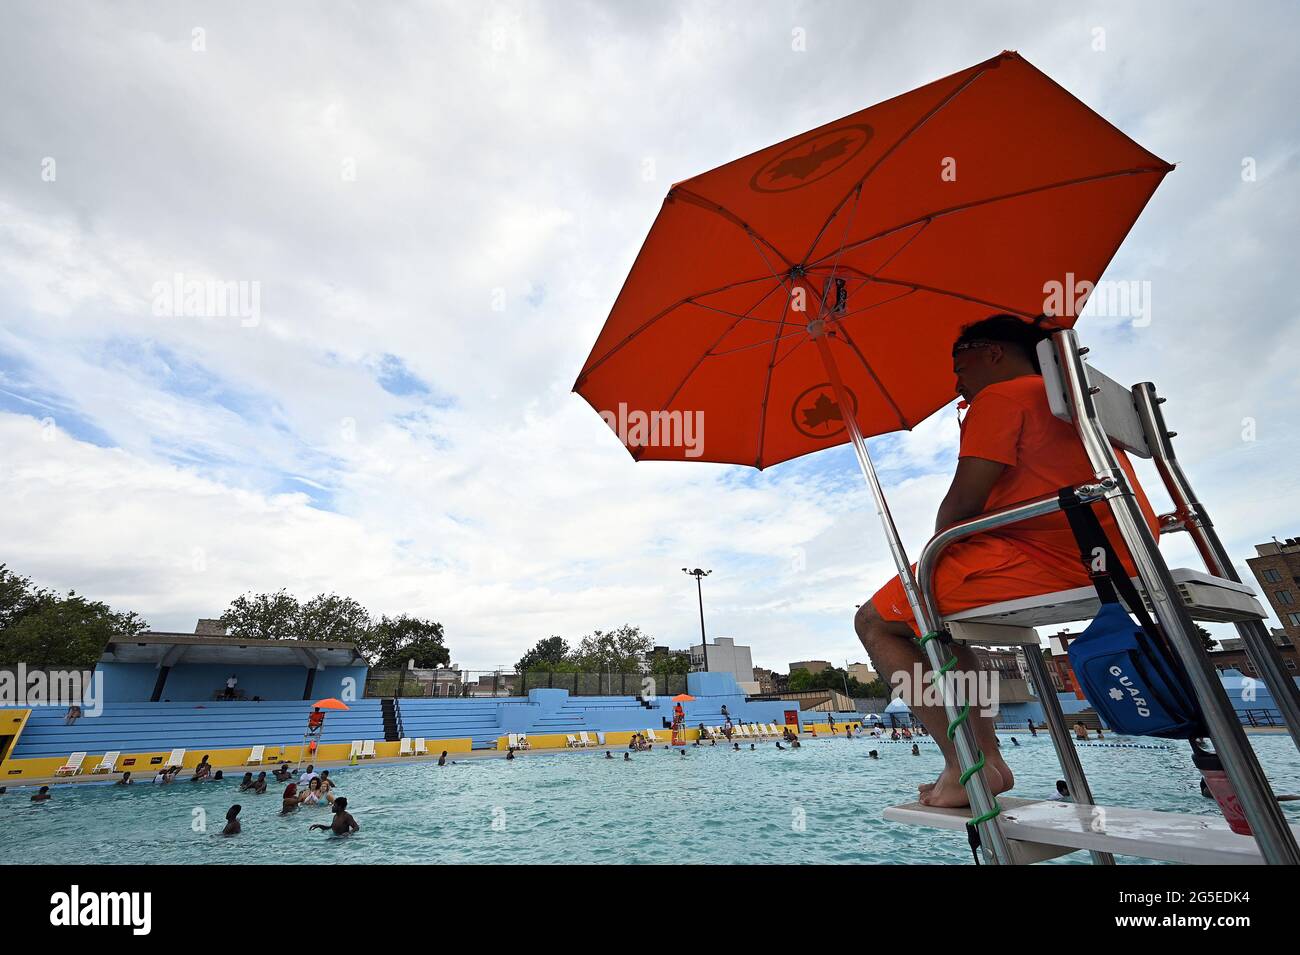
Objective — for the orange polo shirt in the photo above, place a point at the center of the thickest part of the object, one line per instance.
(1011, 423)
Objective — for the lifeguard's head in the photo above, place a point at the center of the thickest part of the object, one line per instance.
(997, 348)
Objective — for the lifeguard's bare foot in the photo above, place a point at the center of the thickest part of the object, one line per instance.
(947, 793)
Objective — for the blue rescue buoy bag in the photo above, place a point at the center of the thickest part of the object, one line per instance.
(1125, 668)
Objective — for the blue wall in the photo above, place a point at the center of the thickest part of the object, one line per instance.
(134, 682)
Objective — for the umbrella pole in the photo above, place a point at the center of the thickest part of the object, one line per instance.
(996, 848)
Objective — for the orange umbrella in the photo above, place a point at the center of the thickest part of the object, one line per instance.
(330, 703)
(683, 698)
(897, 226)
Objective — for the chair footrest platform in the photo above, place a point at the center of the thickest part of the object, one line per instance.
(1067, 827)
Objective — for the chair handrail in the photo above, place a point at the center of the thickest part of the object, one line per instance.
(992, 520)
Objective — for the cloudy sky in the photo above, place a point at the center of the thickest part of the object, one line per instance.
(435, 206)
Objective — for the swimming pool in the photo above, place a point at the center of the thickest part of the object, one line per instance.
(818, 804)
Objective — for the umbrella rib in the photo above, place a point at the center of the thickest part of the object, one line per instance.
(690, 299)
(636, 455)
(746, 318)
(974, 203)
(880, 385)
(889, 152)
(917, 287)
(767, 387)
(709, 205)
(741, 348)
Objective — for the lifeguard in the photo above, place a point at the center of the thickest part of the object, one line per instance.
(1012, 449)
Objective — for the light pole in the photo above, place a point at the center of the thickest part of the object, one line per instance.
(699, 589)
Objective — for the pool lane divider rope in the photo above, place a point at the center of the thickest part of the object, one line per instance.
(972, 825)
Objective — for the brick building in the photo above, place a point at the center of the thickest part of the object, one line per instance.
(1276, 565)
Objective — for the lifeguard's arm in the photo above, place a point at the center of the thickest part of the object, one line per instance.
(969, 490)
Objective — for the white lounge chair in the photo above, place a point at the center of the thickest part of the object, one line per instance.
(176, 759)
(355, 751)
(421, 747)
(255, 755)
(405, 747)
(523, 741)
(650, 735)
(73, 766)
(572, 740)
(585, 739)
(512, 741)
(108, 764)
(368, 749)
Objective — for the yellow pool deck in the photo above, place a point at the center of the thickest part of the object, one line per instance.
(234, 763)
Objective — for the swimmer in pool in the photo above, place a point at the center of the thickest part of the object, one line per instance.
(315, 794)
(342, 824)
(442, 760)
(289, 802)
(916, 750)
(283, 774)
(246, 783)
(608, 754)
(126, 779)
(779, 746)
(1014, 741)
(232, 821)
(41, 794)
(202, 770)
(874, 754)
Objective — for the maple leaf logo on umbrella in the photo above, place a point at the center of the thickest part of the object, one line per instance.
(817, 414)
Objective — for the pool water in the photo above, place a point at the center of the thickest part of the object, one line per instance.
(818, 804)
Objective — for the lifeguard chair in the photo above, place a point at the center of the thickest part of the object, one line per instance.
(1016, 830)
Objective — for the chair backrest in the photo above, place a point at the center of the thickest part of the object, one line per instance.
(1116, 411)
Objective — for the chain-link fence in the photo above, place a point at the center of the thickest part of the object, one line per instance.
(454, 683)
(605, 684)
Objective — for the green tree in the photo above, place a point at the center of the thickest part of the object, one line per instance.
(18, 597)
(659, 662)
(331, 617)
(613, 651)
(263, 616)
(394, 641)
(549, 654)
(65, 631)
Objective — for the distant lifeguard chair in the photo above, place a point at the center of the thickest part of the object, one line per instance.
(679, 720)
(1105, 413)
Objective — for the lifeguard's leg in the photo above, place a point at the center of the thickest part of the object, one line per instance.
(897, 656)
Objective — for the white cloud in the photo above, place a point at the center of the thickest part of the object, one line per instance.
(505, 147)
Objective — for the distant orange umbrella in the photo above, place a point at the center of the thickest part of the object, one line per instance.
(683, 698)
(330, 703)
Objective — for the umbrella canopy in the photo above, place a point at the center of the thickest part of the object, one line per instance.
(329, 703)
(934, 209)
(683, 698)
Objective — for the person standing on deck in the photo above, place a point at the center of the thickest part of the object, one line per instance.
(1012, 449)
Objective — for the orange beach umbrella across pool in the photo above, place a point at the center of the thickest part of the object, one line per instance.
(330, 703)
